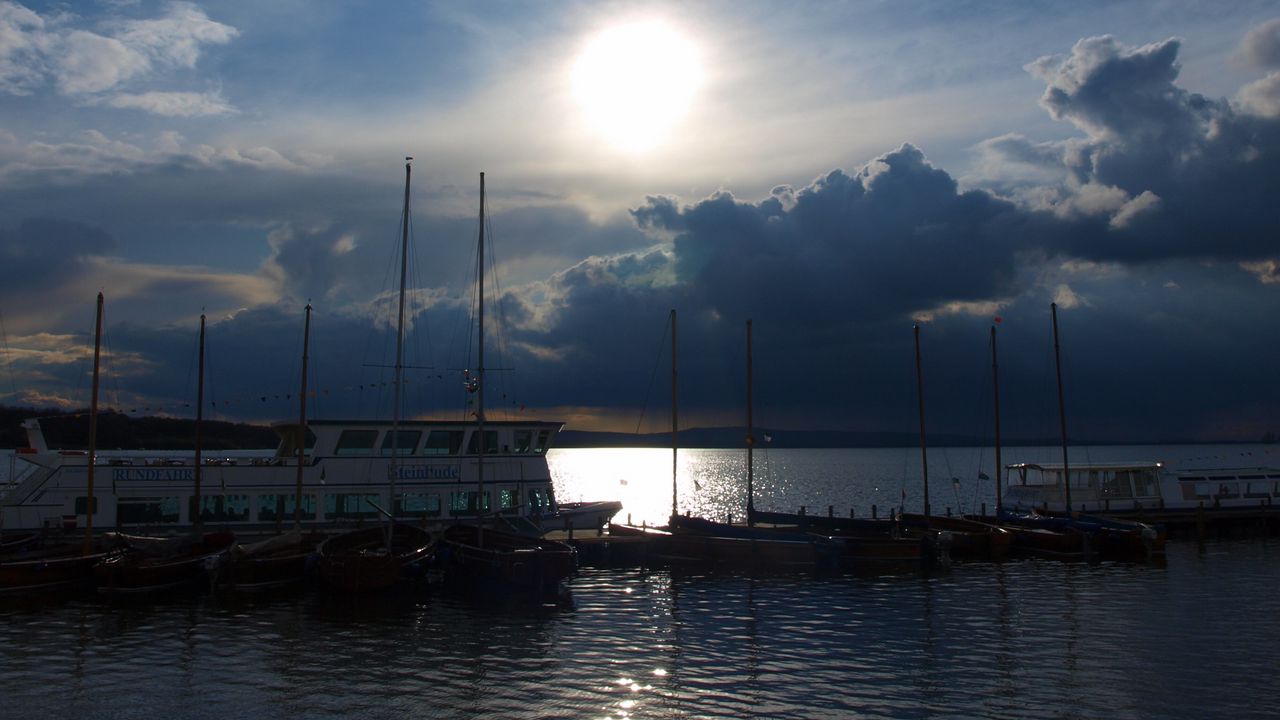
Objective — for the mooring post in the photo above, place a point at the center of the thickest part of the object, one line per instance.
(873, 512)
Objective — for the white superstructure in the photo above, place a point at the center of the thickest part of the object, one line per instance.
(344, 481)
(1134, 487)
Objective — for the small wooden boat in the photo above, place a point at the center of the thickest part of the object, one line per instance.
(870, 545)
(55, 567)
(700, 541)
(970, 539)
(362, 560)
(275, 562)
(155, 564)
(471, 554)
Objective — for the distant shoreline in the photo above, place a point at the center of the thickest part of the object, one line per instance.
(117, 431)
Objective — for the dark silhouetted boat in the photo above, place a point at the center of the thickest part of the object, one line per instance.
(375, 558)
(149, 565)
(471, 554)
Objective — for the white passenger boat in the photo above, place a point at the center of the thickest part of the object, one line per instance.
(345, 473)
(1130, 488)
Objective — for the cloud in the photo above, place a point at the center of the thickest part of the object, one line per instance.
(1262, 97)
(99, 65)
(174, 104)
(1260, 47)
(1161, 172)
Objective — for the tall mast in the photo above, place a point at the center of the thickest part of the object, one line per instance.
(480, 359)
(924, 453)
(1062, 407)
(300, 449)
(995, 385)
(751, 438)
(399, 370)
(93, 432)
(675, 416)
(198, 521)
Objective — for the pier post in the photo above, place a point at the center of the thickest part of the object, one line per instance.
(831, 511)
(873, 513)
(1200, 524)
(984, 510)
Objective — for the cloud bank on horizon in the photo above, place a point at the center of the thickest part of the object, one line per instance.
(1148, 217)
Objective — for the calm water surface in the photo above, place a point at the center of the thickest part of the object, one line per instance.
(1196, 636)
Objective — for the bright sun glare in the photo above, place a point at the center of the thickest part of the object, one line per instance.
(635, 82)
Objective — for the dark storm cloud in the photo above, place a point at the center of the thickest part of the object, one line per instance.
(40, 248)
(845, 248)
(1163, 173)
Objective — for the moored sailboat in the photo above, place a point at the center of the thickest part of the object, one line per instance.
(480, 552)
(68, 563)
(375, 558)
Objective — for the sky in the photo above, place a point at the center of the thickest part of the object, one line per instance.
(835, 172)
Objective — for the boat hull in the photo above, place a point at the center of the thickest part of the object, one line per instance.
(471, 554)
(359, 560)
(140, 570)
(49, 569)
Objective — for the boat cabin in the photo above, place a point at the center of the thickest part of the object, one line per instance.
(1093, 487)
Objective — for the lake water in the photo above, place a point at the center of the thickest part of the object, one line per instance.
(1195, 636)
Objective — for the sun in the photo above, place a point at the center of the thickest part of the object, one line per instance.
(635, 82)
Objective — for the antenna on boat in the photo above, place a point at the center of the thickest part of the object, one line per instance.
(301, 440)
(93, 432)
(1062, 408)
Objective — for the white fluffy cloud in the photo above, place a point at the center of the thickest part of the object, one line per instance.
(106, 63)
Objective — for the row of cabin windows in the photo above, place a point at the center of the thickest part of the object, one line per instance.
(1112, 483)
(1235, 486)
(438, 442)
(337, 506)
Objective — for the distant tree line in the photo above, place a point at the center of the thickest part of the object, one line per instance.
(70, 431)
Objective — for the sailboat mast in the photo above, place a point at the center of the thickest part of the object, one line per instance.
(93, 432)
(675, 416)
(480, 359)
(924, 453)
(399, 369)
(751, 438)
(197, 522)
(995, 385)
(1062, 408)
(300, 448)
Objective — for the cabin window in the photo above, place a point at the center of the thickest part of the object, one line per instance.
(356, 442)
(220, 508)
(465, 502)
(351, 505)
(141, 511)
(289, 442)
(540, 500)
(1257, 489)
(82, 506)
(1204, 489)
(418, 504)
(273, 508)
(1145, 483)
(405, 442)
(1116, 484)
(523, 440)
(508, 499)
(1226, 490)
(544, 437)
(443, 442)
(490, 442)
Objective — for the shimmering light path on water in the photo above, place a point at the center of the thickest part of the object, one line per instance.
(1197, 636)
